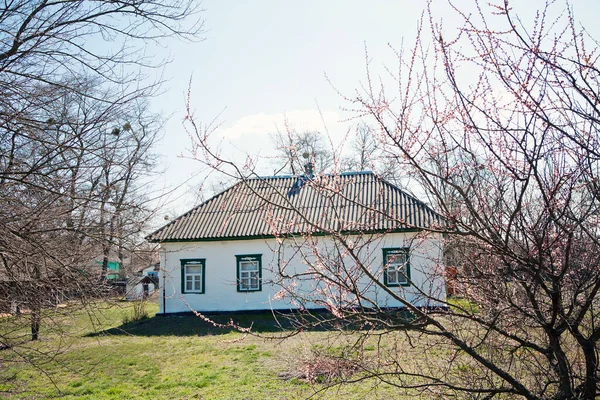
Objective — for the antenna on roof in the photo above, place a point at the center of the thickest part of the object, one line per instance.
(309, 167)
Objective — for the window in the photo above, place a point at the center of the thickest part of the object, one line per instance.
(397, 267)
(192, 275)
(249, 273)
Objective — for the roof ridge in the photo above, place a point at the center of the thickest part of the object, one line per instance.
(345, 173)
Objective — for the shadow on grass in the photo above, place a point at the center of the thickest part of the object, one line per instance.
(267, 322)
(191, 325)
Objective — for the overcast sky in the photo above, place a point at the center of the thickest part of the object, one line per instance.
(264, 60)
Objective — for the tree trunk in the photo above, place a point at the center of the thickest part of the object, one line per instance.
(36, 306)
(589, 387)
(104, 272)
(35, 321)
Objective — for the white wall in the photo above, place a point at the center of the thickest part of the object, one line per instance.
(147, 269)
(136, 292)
(295, 256)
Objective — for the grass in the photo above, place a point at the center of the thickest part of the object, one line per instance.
(169, 357)
(462, 305)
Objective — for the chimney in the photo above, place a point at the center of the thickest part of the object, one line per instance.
(309, 169)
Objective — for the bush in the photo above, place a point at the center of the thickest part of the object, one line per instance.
(138, 313)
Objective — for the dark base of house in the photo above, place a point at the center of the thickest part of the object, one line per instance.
(296, 311)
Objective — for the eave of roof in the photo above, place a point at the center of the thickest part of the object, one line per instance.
(262, 237)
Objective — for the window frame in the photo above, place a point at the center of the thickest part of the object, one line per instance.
(406, 275)
(193, 261)
(248, 257)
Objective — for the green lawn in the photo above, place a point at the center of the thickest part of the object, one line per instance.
(168, 357)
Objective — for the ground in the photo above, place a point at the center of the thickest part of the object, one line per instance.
(175, 357)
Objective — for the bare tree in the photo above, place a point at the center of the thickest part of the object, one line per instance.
(126, 158)
(363, 150)
(73, 186)
(368, 154)
(51, 42)
(75, 146)
(508, 155)
(298, 148)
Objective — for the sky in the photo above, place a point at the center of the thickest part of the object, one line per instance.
(266, 61)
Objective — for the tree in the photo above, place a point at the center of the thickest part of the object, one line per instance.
(75, 146)
(125, 159)
(498, 125)
(50, 42)
(75, 196)
(368, 154)
(298, 148)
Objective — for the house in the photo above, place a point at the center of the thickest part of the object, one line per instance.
(152, 271)
(144, 283)
(113, 269)
(139, 287)
(302, 242)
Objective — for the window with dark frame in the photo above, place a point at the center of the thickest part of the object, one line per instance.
(192, 275)
(249, 273)
(396, 266)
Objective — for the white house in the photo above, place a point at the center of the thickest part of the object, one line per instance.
(288, 242)
(144, 283)
(152, 271)
(139, 287)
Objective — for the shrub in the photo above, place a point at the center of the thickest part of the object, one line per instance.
(138, 313)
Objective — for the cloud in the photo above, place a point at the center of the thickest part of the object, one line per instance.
(266, 124)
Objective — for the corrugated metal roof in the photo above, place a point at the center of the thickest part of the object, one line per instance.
(263, 207)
